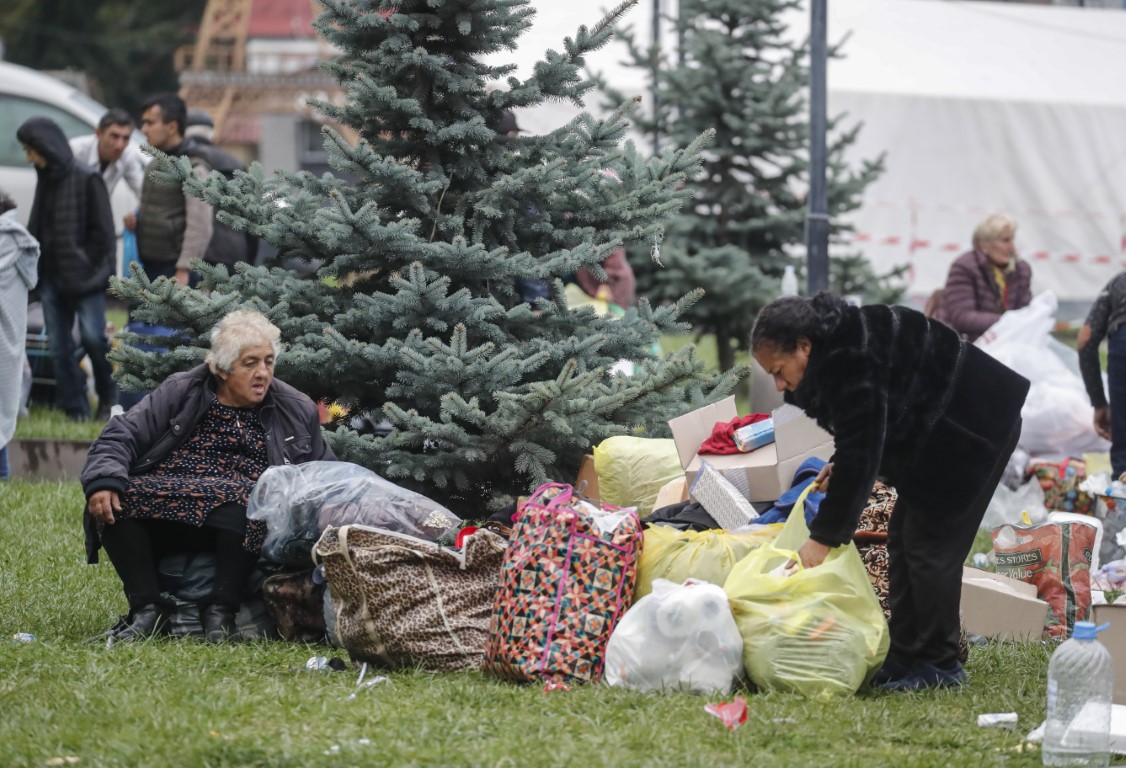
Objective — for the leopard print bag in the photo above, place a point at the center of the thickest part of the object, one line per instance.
(405, 602)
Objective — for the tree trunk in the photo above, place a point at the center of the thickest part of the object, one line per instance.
(725, 349)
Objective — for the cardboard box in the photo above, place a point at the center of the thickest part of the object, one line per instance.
(1114, 638)
(767, 472)
(587, 481)
(1001, 608)
(672, 492)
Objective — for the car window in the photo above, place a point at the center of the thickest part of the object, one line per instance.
(15, 109)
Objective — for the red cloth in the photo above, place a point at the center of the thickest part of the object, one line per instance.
(722, 440)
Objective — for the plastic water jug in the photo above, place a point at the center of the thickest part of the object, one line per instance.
(1080, 687)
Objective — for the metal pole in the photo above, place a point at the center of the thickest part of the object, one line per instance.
(817, 218)
(656, 61)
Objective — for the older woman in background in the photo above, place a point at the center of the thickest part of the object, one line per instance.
(987, 281)
(175, 471)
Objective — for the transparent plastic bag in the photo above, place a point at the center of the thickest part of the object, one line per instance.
(681, 636)
(817, 631)
(298, 501)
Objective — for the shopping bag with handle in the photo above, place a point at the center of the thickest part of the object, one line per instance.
(817, 631)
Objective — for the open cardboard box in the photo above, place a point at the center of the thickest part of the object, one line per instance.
(1001, 608)
(769, 470)
(1114, 638)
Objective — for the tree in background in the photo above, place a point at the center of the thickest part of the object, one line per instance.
(737, 72)
(415, 313)
(124, 47)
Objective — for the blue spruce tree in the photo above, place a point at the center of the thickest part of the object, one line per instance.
(737, 72)
(415, 313)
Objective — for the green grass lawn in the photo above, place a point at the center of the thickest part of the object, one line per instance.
(183, 703)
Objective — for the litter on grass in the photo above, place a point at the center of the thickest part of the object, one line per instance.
(731, 713)
(24, 637)
(317, 663)
(997, 720)
(365, 684)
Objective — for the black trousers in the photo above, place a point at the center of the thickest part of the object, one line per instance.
(135, 548)
(927, 546)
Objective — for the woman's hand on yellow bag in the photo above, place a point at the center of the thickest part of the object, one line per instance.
(812, 553)
(821, 484)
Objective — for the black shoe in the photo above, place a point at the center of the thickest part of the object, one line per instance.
(144, 622)
(925, 676)
(218, 623)
(102, 414)
(891, 670)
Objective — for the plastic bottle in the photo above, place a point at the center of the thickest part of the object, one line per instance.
(1080, 683)
(789, 282)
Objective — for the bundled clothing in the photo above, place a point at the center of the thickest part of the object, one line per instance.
(19, 259)
(978, 292)
(907, 399)
(722, 439)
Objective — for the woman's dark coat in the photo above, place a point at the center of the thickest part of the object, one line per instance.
(135, 442)
(972, 301)
(906, 399)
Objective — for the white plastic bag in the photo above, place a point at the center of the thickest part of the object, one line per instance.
(298, 501)
(1058, 417)
(679, 636)
(1007, 505)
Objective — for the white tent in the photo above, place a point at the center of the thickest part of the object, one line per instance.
(980, 107)
(983, 107)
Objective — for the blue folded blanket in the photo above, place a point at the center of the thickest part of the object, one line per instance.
(805, 475)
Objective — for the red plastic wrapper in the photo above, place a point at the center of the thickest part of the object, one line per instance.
(731, 713)
(463, 534)
(1056, 557)
(555, 685)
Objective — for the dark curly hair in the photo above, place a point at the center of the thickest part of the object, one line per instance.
(782, 322)
(6, 202)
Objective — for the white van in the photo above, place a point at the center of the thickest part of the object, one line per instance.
(26, 93)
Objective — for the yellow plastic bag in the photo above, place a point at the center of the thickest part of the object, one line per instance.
(819, 631)
(709, 556)
(631, 470)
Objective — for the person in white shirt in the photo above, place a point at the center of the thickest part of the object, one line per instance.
(109, 151)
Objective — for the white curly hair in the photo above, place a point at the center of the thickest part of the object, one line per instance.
(235, 332)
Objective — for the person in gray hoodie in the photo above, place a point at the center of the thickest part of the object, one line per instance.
(19, 255)
(72, 219)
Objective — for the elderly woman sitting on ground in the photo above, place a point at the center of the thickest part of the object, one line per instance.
(174, 473)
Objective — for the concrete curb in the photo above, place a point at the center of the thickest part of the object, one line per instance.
(47, 459)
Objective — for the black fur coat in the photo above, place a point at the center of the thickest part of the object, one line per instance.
(907, 400)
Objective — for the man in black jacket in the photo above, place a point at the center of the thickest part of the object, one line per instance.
(72, 219)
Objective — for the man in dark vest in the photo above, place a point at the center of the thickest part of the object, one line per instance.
(173, 229)
(228, 245)
(73, 222)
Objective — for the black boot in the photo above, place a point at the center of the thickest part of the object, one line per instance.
(149, 620)
(218, 623)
